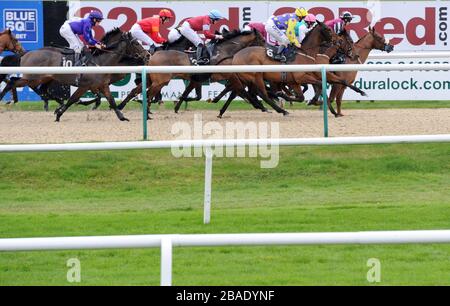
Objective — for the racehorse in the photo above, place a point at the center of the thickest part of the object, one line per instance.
(118, 46)
(10, 43)
(257, 56)
(224, 50)
(372, 40)
(318, 36)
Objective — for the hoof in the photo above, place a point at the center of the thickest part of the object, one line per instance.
(124, 119)
(220, 116)
(285, 113)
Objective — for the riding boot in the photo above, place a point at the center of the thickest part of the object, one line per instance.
(280, 56)
(85, 57)
(201, 60)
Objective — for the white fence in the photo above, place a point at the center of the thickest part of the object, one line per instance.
(229, 69)
(222, 143)
(221, 68)
(167, 242)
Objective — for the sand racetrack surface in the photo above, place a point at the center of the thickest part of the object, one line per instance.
(88, 126)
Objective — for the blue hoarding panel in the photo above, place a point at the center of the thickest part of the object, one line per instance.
(25, 19)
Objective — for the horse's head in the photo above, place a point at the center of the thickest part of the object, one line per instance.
(374, 40)
(123, 43)
(135, 49)
(320, 35)
(9, 42)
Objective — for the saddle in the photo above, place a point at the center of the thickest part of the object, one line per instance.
(70, 58)
(207, 53)
(288, 55)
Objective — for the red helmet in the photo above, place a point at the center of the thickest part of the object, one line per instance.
(165, 13)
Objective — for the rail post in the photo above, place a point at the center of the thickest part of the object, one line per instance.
(144, 103)
(208, 183)
(166, 262)
(325, 102)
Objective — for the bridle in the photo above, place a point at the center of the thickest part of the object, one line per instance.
(145, 58)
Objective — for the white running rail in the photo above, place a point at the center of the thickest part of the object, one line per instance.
(167, 242)
(221, 69)
(222, 143)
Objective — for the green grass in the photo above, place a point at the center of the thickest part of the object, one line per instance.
(239, 105)
(314, 189)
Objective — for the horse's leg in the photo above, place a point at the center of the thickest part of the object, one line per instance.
(252, 97)
(305, 88)
(339, 102)
(184, 95)
(74, 98)
(112, 103)
(259, 83)
(98, 102)
(334, 79)
(198, 92)
(14, 95)
(136, 91)
(298, 93)
(227, 103)
(226, 90)
(9, 86)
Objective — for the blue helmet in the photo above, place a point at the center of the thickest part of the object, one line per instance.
(215, 15)
(96, 15)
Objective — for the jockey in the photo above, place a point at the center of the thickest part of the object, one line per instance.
(191, 26)
(71, 29)
(147, 30)
(338, 25)
(302, 28)
(282, 29)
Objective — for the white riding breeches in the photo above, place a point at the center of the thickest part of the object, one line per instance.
(74, 41)
(137, 33)
(276, 34)
(174, 35)
(190, 34)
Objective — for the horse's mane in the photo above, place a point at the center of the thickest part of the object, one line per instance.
(110, 34)
(228, 35)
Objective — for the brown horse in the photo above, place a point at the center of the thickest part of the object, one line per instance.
(257, 56)
(225, 49)
(118, 46)
(372, 40)
(10, 43)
